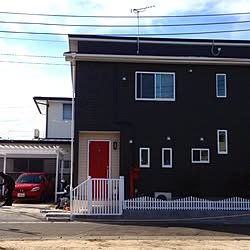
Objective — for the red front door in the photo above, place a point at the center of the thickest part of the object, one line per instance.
(99, 159)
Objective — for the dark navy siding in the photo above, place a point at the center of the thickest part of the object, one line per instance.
(161, 49)
(106, 102)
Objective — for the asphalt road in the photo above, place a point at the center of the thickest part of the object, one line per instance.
(90, 230)
(26, 222)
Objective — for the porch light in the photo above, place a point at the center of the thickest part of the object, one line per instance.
(115, 145)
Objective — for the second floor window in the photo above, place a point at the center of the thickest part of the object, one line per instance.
(221, 85)
(155, 86)
(67, 111)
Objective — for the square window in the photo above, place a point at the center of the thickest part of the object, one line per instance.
(155, 86)
(200, 155)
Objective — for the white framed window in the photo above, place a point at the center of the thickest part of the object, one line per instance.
(200, 155)
(155, 86)
(221, 85)
(167, 157)
(67, 111)
(144, 157)
(222, 141)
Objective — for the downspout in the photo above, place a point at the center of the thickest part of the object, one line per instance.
(56, 181)
(73, 63)
(4, 170)
(4, 163)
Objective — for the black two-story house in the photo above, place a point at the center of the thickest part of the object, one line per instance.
(174, 110)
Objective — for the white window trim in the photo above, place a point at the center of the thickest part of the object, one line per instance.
(154, 99)
(226, 142)
(207, 149)
(217, 94)
(162, 158)
(144, 165)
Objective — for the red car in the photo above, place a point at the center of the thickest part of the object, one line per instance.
(32, 186)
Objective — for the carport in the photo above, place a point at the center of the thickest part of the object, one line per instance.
(34, 151)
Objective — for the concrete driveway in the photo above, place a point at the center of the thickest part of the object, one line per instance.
(20, 212)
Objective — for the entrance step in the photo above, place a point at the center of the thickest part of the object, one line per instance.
(58, 216)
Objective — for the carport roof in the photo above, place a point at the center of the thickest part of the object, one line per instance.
(30, 151)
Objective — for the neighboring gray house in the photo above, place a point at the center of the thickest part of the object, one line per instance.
(50, 154)
(58, 116)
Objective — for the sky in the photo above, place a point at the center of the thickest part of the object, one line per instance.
(33, 64)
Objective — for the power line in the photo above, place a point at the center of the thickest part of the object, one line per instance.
(34, 33)
(129, 34)
(54, 64)
(127, 26)
(40, 56)
(32, 39)
(95, 16)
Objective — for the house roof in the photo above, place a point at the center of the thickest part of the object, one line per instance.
(42, 102)
(157, 50)
(156, 40)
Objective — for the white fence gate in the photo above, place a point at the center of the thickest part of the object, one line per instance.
(188, 203)
(98, 196)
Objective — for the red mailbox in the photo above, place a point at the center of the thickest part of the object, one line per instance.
(134, 175)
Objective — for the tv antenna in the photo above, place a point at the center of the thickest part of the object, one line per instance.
(137, 12)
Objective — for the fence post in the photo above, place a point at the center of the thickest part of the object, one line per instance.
(89, 194)
(121, 194)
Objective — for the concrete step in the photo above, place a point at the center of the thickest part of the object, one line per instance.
(58, 216)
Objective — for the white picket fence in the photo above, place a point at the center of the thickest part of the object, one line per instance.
(106, 197)
(188, 203)
(98, 196)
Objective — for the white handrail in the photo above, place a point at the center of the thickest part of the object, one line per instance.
(98, 196)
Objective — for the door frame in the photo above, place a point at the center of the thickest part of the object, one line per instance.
(110, 159)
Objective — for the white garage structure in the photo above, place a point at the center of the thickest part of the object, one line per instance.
(34, 151)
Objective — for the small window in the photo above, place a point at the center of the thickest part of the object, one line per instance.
(221, 85)
(200, 155)
(155, 86)
(67, 111)
(167, 157)
(144, 157)
(222, 143)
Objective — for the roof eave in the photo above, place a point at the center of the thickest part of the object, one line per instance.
(156, 59)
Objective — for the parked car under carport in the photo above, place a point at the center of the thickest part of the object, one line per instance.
(34, 186)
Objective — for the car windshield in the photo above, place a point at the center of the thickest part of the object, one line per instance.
(29, 179)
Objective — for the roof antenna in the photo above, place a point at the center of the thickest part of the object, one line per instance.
(137, 12)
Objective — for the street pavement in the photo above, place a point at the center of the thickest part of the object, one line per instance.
(26, 222)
